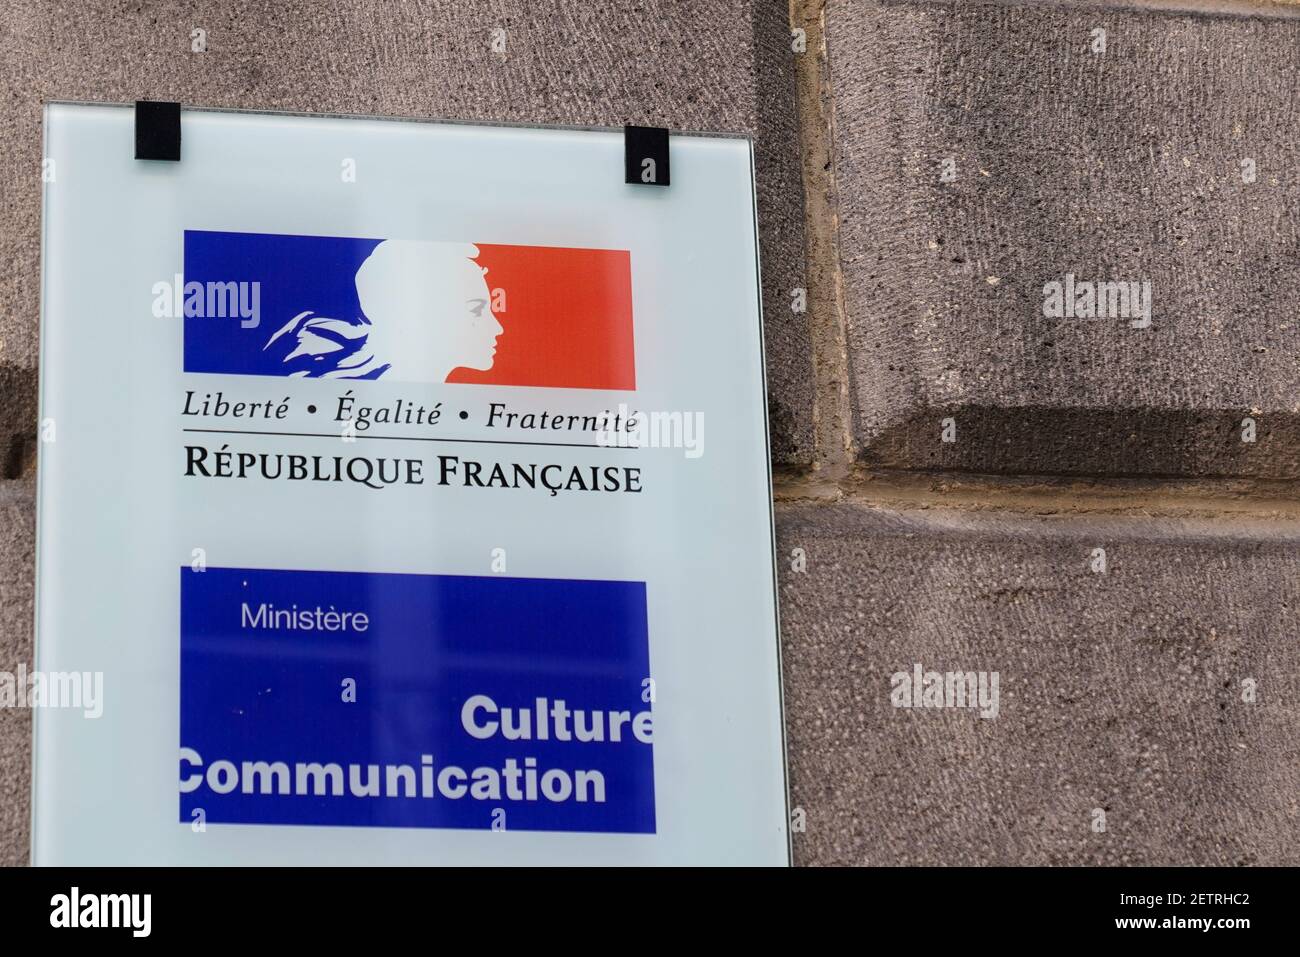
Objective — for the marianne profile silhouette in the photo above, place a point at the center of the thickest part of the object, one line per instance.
(426, 311)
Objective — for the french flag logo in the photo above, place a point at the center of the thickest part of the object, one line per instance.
(413, 311)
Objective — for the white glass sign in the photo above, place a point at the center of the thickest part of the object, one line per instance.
(404, 498)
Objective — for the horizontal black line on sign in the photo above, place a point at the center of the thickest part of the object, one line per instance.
(416, 438)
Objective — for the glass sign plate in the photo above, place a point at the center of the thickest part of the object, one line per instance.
(405, 488)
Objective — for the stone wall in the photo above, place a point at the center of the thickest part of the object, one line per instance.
(1068, 502)
(925, 169)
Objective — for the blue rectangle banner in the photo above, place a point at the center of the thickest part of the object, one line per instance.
(437, 701)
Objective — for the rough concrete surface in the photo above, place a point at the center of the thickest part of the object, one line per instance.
(1120, 691)
(17, 558)
(1123, 165)
(721, 65)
